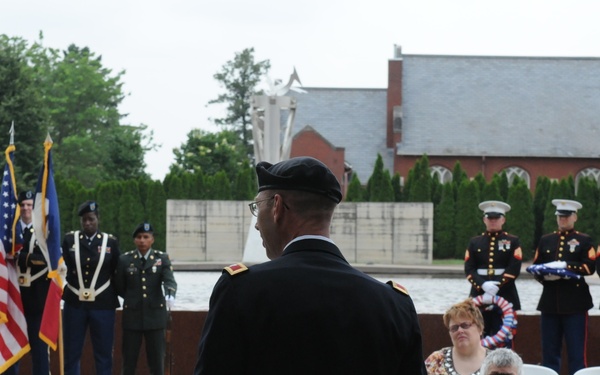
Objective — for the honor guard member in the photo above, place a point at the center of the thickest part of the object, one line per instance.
(90, 296)
(34, 284)
(493, 263)
(142, 275)
(306, 311)
(565, 301)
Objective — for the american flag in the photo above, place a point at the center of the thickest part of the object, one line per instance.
(13, 327)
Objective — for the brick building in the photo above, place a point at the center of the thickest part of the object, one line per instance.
(528, 116)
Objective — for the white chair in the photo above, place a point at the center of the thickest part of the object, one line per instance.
(589, 371)
(529, 369)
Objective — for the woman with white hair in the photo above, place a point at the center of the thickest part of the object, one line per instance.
(502, 361)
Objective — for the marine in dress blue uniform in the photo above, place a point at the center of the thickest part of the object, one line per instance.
(565, 302)
(33, 283)
(493, 262)
(307, 311)
(141, 276)
(90, 296)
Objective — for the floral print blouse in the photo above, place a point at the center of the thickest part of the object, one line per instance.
(440, 363)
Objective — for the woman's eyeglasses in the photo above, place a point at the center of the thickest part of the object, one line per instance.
(464, 326)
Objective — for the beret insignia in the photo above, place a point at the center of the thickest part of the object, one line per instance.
(236, 268)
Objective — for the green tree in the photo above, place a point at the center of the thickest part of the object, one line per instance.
(156, 213)
(502, 180)
(420, 186)
(491, 191)
(521, 219)
(210, 153)
(397, 187)
(21, 103)
(458, 176)
(468, 216)
(221, 186)
(245, 185)
(129, 213)
(587, 195)
(444, 231)
(239, 77)
(355, 192)
(540, 200)
(380, 183)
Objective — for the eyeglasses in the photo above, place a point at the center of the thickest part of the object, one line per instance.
(254, 205)
(464, 326)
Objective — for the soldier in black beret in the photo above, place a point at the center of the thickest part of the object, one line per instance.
(90, 297)
(33, 283)
(307, 311)
(141, 276)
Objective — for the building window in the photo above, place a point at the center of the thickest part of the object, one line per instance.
(512, 172)
(592, 173)
(443, 174)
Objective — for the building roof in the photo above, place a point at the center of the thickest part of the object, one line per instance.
(500, 106)
(351, 118)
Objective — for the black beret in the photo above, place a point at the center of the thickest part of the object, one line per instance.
(143, 228)
(87, 206)
(25, 195)
(301, 173)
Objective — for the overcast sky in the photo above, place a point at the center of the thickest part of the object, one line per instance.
(171, 49)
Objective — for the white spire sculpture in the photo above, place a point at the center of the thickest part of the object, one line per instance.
(272, 142)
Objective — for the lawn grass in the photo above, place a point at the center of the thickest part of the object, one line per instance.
(447, 262)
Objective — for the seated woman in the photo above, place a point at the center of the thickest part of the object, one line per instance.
(465, 356)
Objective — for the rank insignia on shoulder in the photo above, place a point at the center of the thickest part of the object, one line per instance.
(235, 268)
(398, 287)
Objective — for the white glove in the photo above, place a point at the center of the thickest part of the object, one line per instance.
(551, 277)
(62, 270)
(170, 301)
(487, 299)
(558, 264)
(491, 287)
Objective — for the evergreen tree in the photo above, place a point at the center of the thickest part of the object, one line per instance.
(173, 186)
(587, 195)
(521, 219)
(444, 231)
(156, 214)
(244, 187)
(380, 184)
(491, 191)
(458, 176)
(130, 215)
(549, 212)
(420, 187)
(542, 189)
(107, 196)
(397, 187)
(222, 186)
(355, 193)
(481, 183)
(436, 190)
(468, 216)
(502, 185)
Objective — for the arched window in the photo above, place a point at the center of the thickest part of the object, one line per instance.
(442, 173)
(593, 173)
(512, 172)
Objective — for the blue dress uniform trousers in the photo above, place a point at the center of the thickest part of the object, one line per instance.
(574, 328)
(102, 332)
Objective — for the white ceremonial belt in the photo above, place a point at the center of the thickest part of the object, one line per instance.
(25, 278)
(491, 271)
(88, 294)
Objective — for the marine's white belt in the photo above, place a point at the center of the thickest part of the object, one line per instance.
(485, 272)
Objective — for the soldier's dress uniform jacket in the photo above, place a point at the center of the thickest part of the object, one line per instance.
(494, 256)
(308, 312)
(566, 296)
(141, 284)
(90, 258)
